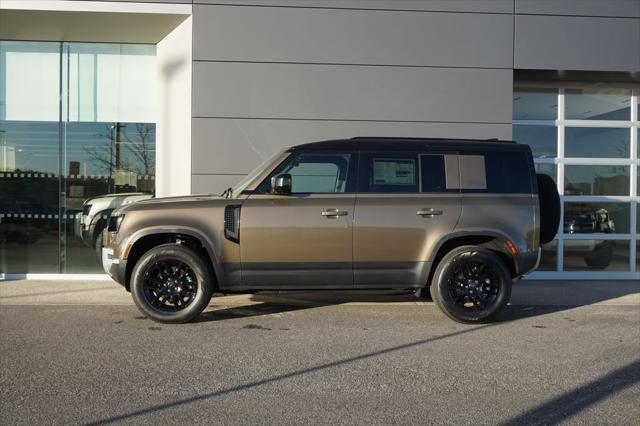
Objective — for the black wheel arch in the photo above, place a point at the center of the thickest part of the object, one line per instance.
(493, 242)
(149, 241)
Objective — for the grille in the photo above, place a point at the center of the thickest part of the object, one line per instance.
(232, 223)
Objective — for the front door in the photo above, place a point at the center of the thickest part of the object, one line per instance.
(305, 239)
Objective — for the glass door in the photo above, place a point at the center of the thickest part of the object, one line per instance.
(77, 139)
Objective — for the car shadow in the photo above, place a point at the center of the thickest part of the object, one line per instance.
(545, 299)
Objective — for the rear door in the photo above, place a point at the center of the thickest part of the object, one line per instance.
(406, 202)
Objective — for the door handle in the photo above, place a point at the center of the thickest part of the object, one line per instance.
(429, 212)
(333, 213)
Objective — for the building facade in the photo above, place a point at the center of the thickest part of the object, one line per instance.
(176, 97)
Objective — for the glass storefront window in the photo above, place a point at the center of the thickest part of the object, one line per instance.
(596, 180)
(597, 104)
(596, 142)
(60, 179)
(547, 169)
(535, 104)
(543, 140)
(596, 255)
(596, 218)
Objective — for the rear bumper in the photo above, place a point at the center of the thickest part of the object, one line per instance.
(114, 267)
(527, 261)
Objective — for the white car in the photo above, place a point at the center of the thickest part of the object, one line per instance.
(96, 212)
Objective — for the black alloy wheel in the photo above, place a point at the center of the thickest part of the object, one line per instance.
(471, 284)
(171, 283)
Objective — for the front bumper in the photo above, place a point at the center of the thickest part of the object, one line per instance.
(116, 268)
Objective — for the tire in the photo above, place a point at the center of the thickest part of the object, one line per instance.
(97, 245)
(171, 284)
(600, 257)
(460, 289)
(549, 208)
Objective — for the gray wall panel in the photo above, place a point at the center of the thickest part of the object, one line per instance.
(577, 43)
(213, 184)
(483, 6)
(622, 8)
(351, 92)
(279, 34)
(237, 146)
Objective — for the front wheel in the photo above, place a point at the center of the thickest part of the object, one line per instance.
(471, 284)
(171, 284)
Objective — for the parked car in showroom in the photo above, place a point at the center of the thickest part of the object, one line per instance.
(95, 215)
(461, 219)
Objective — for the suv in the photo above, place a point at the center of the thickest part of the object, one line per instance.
(463, 218)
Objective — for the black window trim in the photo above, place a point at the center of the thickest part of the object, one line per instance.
(352, 172)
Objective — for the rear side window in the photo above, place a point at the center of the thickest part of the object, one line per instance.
(495, 172)
(433, 173)
(508, 172)
(388, 173)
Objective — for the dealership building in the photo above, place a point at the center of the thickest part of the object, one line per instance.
(185, 97)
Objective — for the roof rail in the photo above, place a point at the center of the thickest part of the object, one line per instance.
(429, 139)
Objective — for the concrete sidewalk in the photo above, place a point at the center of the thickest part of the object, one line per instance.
(534, 293)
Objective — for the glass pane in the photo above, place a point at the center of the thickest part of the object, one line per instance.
(29, 141)
(107, 165)
(543, 140)
(317, 173)
(548, 261)
(595, 142)
(433, 173)
(587, 218)
(594, 255)
(596, 180)
(547, 169)
(535, 104)
(638, 256)
(598, 104)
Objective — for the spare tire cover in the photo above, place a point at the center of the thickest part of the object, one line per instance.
(549, 208)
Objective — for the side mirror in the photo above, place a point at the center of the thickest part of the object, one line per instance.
(281, 184)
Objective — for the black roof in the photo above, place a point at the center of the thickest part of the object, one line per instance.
(411, 144)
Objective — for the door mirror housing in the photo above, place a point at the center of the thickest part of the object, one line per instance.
(281, 184)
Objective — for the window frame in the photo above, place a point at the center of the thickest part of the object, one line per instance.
(351, 175)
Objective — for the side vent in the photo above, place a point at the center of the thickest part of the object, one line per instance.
(232, 223)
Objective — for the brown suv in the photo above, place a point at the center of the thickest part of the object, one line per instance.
(461, 217)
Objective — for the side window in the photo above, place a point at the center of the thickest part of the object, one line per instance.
(508, 173)
(314, 173)
(433, 170)
(388, 173)
(495, 172)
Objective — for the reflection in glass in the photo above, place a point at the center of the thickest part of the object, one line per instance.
(543, 140)
(535, 104)
(59, 180)
(596, 142)
(596, 255)
(592, 217)
(596, 180)
(598, 104)
(547, 169)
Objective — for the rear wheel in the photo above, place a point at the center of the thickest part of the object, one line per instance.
(171, 284)
(471, 284)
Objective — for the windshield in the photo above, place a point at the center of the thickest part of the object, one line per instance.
(240, 186)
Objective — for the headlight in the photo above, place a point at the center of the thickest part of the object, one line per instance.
(115, 222)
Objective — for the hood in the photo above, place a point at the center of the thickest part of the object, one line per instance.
(158, 202)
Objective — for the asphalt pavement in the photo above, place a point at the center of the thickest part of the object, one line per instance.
(81, 353)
